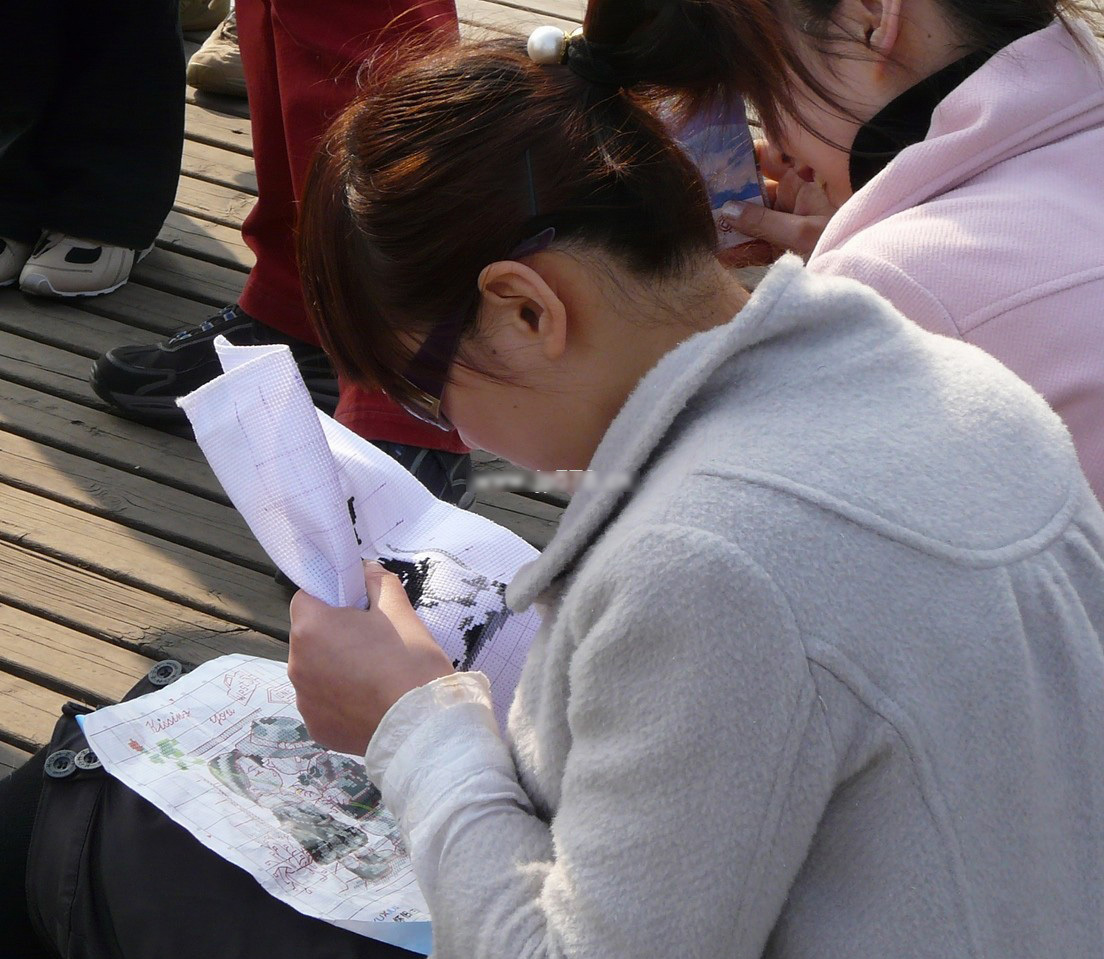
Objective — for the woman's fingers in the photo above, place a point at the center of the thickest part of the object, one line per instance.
(797, 218)
(785, 196)
(789, 231)
(374, 575)
(349, 666)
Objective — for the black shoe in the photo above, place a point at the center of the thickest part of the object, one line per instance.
(445, 475)
(145, 381)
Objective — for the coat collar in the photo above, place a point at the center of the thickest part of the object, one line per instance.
(1043, 87)
(640, 427)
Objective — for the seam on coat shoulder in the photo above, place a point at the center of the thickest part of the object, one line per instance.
(865, 268)
(808, 710)
(993, 311)
(978, 558)
(874, 699)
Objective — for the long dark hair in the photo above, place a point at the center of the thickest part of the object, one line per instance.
(701, 47)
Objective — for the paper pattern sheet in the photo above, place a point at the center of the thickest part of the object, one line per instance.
(223, 751)
(320, 499)
(225, 754)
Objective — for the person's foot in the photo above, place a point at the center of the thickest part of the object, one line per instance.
(13, 255)
(202, 14)
(145, 381)
(216, 66)
(445, 475)
(62, 265)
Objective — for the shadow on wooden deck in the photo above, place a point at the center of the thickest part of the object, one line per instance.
(117, 545)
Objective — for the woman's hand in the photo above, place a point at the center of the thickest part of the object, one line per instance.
(349, 666)
(798, 213)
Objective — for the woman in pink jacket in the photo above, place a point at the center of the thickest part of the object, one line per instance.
(963, 145)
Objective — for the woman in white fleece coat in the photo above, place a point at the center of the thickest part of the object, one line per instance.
(824, 676)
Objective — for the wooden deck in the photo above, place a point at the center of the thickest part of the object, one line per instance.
(117, 545)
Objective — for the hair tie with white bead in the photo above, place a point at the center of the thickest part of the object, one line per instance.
(549, 45)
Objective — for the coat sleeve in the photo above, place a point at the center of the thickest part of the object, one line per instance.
(698, 766)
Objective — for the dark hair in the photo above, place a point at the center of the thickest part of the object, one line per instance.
(725, 47)
(456, 155)
(447, 164)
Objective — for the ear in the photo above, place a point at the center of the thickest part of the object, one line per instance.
(881, 23)
(518, 305)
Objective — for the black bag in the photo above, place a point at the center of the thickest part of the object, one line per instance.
(110, 876)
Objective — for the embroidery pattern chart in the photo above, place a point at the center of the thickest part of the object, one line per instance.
(225, 754)
(321, 500)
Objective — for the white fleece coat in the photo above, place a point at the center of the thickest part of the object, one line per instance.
(829, 684)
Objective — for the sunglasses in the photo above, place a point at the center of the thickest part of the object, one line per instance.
(426, 375)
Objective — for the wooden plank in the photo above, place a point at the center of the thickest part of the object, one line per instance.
(120, 613)
(231, 106)
(213, 202)
(475, 33)
(66, 661)
(27, 712)
(35, 364)
(206, 162)
(202, 240)
(133, 500)
(110, 439)
(138, 314)
(11, 758)
(487, 465)
(186, 276)
(229, 132)
(26, 365)
(517, 22)
(142, 307)
(177, 572)
(42, 320)
(531, 523)
(56, 372)
(529, 14)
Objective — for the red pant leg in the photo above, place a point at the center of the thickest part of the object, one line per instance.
(301, 59)
(272, 292)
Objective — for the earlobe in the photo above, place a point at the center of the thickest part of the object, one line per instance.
(883, 23)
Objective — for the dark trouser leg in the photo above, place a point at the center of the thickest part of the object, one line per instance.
(301, 60)
(19, 794)
(30, 38)
(109, 145)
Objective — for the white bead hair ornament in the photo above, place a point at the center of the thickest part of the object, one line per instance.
(547, 45)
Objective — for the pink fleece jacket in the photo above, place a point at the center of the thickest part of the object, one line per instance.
(991, 229)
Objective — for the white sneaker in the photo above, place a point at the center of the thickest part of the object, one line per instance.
(66, 266)
(13, 255)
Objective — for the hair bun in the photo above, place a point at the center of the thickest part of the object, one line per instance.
(589, 61)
